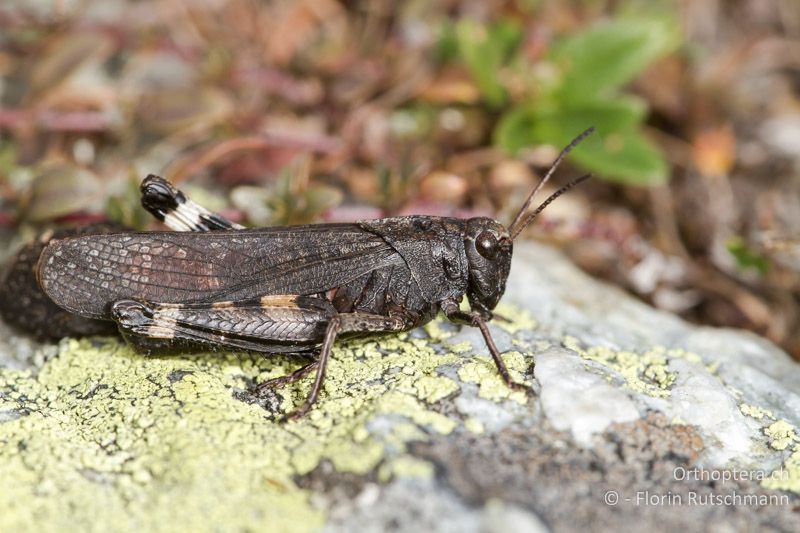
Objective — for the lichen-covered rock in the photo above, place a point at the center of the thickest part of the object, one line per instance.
(416, 431)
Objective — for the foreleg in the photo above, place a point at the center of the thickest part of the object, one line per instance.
(472, 318)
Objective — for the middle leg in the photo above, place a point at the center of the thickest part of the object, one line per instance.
(344, 323)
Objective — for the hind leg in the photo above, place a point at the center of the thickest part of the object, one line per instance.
(171, 206)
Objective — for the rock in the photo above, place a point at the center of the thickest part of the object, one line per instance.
(637, 418)
(579, 401)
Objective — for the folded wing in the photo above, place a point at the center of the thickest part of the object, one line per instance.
(85, 275)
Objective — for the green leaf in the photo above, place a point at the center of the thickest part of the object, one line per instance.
(610, 54)
(516, 130)
(484, 50)
(446, 49)
(626, 157)
(618, 151)
(527, 125)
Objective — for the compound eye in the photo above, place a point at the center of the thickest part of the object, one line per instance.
(486, 244)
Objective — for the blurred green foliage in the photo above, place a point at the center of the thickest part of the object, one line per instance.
(87, 111)
(578, 84)
(125, 209)
(486, 50)
(290, 199)
(746, 258)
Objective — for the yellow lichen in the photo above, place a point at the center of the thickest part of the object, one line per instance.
(101, 438)
(110, 443)
(403, 404)
(756, 412)
(403, 433)
(461, 347)
(405, 466)
(474, 425)
(513, 319)
(435, 330)
(781, 434)
(434, 388)
(787, 477)
(491, 386)
(102, 417)
(646, 372)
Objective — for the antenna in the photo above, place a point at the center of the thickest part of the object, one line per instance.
(517, 226)
(530, 217)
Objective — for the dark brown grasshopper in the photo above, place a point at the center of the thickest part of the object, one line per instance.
(289, 289)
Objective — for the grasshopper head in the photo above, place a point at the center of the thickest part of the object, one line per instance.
(488, 245)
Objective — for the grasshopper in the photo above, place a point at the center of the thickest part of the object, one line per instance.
(295, 289)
